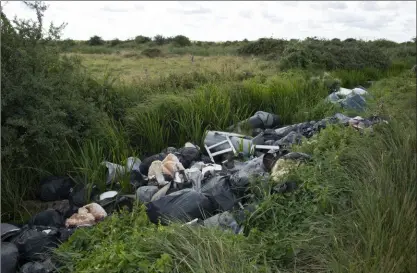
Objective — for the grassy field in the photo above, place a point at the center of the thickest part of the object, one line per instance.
(65, 109)
(130, 66)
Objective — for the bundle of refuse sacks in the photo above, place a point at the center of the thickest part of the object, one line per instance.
(181, 184)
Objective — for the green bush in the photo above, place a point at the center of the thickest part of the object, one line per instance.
(152, 52)
(159, 40)
(181, 40)
(316, 54)
(263, 46)
(47, 102)
(115, 42)
(142, 39)
(95, 41)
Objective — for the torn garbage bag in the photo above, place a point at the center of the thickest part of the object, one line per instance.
(8, 231)
(183, 205)
(144, 194)
(224, 221)
(115, 171)
(35, 267)
(35, 243)
(260, 120)
(81, 194)
(188, 155)
(354, 102)
(49, 218)
(55, 188)
(161, 192)
(194, 175)
(254, 167)
(9, 257)
(117, 203)
(219, 191)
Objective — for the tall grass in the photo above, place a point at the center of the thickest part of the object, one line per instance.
(355, 210)
(173, 120)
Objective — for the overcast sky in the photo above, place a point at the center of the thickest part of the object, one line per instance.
(234, 20)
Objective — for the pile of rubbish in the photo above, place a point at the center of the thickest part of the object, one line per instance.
(196, 187)
(349, 98)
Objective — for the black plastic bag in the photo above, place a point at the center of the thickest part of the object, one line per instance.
(35, 243)
(188, 155)
(254, 167)
(354, 102)
(263, 120)
(55, 188)
(137, 180)
(285, 187)
(9, 257)
(65, 233)
(49, 218)
(184, 205)
(290, 139)
(144, 194)
(117, 203)
(218, 190)
(34, 267)
(8, 231)
(82, 194)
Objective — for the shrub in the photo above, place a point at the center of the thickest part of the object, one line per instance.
(181, 40)
(142, 39)
(329, 55)
(152, 52)
(47, 102)
(159, 40)
(263, 46)
(115, 42)
(95, 41)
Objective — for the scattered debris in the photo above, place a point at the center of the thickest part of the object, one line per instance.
(177, 184)
(349, 98)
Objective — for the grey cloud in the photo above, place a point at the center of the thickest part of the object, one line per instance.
(346, 18)
(199, 10)
(191, 25)
(111, 9)
(313, 24)
(271, 17)
(139, 7)
(290, 3)
(356, 20)
(369, 6)
(334, 5)
(221, 17)
(409, 24)
(246, 14)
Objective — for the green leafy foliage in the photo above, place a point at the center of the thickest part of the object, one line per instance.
(115, 42)
(95, 41)
(181, 40)
(152, 52)
(135, 245)
(263, 46)
(159, 40)
(140, 39)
